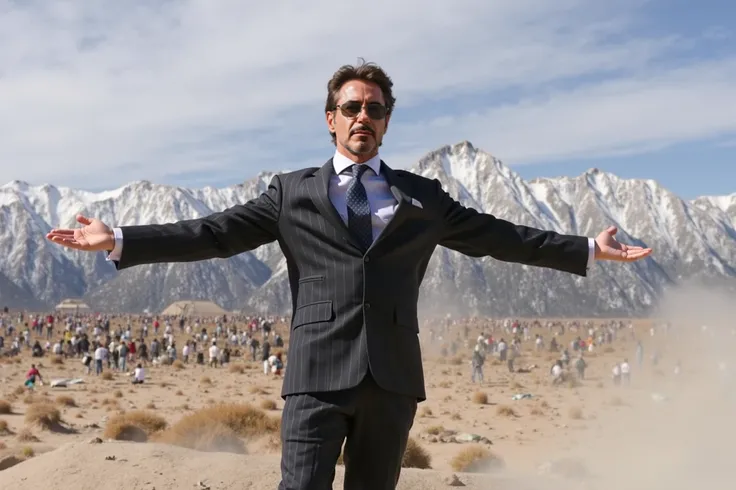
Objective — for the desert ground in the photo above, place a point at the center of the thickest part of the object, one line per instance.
(196, 426)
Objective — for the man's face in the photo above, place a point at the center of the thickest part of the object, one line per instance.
(357, 135)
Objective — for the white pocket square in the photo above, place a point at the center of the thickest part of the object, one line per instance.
(416, 203)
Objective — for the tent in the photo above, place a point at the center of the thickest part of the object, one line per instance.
(73, 306)
(193, 308)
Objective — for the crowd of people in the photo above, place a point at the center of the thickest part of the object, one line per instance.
(109, 342)
(119, 342)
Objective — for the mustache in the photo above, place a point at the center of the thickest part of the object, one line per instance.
(362, 128)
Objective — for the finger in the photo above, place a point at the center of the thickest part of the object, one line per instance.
(61, 232)
(612, 230)
(83, 219)
(638, 254)
(68, 242)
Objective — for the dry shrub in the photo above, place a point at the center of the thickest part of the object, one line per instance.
(455, 416)
(3, 445)
(66, 401)
(148, 422)
(151, 406)
(576, 413)
(236, 368)
(435, 430)
(120, 430)
(480, 398)
(107, 376)
(178, 364)
(425, 412)
(27, 452)
(4, 429)
(30, 399)
(506, 411)
(475, 459)
(5, 407)
(19, 390)
(117, 394)
(415, 456)
(57, 360)
(205, 380)
(445, 384)
(179, 393)
(25, 435)
(44, 415)
(536, 411)
(268, 405)
(257, 390)
(219, 427)
(457, 360)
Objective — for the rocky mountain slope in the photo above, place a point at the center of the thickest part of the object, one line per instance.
(693, 241)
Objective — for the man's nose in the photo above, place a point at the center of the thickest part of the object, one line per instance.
(363, 115)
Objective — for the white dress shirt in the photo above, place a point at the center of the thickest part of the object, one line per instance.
(382, 202)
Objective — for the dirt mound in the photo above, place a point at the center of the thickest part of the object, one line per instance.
(78, 466)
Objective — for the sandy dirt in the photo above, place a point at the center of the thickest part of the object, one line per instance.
(661, 432)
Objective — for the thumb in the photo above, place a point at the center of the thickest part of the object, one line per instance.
(83, 220)
(612, 230)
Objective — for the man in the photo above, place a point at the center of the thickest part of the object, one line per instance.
(357, 237)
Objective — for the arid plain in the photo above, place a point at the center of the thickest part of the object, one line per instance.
(217, 428)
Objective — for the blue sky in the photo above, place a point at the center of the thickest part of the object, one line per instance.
(97, 94)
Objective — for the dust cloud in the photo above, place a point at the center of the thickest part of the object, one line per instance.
(673, 431)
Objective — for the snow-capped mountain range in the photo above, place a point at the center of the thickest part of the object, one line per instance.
(692, 240)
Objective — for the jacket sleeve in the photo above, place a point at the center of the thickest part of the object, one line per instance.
(478, 235)
(220, 235)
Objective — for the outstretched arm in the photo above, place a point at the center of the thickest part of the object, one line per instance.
(478, 234)
(219, 235)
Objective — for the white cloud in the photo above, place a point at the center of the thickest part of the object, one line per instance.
(618, 116)
(94, 94)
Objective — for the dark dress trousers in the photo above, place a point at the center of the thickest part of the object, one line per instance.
(354, 361)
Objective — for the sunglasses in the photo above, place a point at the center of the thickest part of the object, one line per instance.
(373, 110)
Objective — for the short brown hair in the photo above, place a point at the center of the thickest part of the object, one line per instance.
(368, 72)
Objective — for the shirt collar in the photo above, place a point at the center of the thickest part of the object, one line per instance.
(341, 162)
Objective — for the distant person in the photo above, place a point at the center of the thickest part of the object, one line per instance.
(477, 364)
(139, 374)
(625, 372)
(32, 376)
(358, 237)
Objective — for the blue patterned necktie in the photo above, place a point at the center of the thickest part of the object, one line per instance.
(359, 211)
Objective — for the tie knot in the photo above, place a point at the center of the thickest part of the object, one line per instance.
(359, 169)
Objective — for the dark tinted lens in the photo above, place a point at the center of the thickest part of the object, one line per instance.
(375, 111)
(351, 109)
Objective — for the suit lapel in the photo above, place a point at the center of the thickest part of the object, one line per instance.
(318, 187)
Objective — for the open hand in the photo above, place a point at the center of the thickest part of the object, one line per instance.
(608, 248)
(94, 236)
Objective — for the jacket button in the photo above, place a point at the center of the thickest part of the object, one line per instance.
(367, 306)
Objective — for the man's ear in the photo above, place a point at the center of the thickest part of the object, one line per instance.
(330, 117)
(385, 123)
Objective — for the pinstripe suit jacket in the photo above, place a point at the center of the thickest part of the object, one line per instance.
(353, 309)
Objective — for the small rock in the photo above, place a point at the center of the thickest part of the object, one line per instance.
(95, 440)
(453, 481)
